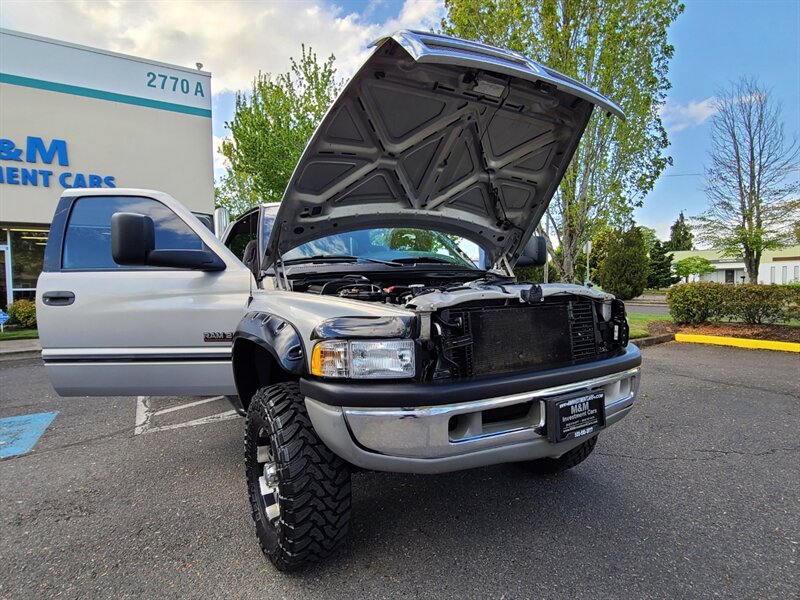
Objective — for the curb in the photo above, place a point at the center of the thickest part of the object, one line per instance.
(653, 340)
(632, 303)
(737, 342)
(10, 355)
(21, 355)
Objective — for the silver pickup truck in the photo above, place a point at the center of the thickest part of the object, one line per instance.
(372, 319)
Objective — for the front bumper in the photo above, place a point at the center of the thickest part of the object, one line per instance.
(451, 437)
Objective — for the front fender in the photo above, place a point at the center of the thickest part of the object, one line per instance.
(277, 336)
(266, 350)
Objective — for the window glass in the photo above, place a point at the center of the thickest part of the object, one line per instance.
(24, 295)
(3, 280)
(27, 257)
(388, 244)
(87, 242)
(267, 221)
(244, 231)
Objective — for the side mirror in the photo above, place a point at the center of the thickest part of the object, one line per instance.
(132, 238)
(534, 254)
(133, 243)
(221, 220)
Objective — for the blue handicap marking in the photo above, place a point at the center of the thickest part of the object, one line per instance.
(19, 435)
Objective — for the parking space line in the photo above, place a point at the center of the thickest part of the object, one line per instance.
(145, 413)
(164, 411)
(230, 414)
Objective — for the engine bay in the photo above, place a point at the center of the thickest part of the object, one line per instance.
(392, 288)
(476, 323)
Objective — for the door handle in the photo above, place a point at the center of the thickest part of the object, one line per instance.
(58, 298)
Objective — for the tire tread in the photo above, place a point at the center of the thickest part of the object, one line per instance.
(571, 458)
(315, 492)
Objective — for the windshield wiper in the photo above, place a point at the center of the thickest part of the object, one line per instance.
(338, 258)
(427, 259)
(320, 258)
(391, 263)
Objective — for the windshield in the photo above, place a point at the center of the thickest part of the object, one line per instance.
(398, 245)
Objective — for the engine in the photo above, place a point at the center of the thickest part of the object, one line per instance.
(361, 287)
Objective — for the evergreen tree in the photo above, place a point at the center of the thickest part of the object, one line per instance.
(659, 272)
(624, 270)
(601, 241)
(680, 235)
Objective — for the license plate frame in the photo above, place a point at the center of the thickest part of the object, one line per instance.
(575, 415)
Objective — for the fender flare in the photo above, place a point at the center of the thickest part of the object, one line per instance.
(280, 339)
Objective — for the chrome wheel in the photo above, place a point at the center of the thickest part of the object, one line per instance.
(268, 481)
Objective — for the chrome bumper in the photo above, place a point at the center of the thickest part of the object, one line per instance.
(459, 436)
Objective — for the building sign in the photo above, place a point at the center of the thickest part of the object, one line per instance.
(28, 61)
(78, 117)
(38, 156)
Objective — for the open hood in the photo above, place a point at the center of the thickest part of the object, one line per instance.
(435, 132)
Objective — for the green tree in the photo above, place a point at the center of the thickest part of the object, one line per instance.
(601, 241)
(235, 192)
(624, 270)
(272, 124)
(680, 235)
(751, 185)
(659, 269)
(650, 237)
(618, 47)
(412, 239)
(693, 265)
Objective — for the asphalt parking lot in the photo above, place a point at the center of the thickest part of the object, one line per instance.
(695, 494)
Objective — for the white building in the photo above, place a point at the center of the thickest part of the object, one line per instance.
(72, 116)
(777, 266)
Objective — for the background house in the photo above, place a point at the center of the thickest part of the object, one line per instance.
(777, 266)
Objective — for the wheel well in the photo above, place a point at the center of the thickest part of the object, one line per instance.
(255, 367)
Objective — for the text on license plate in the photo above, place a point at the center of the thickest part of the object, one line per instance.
(574, 417)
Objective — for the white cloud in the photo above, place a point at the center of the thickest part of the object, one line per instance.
(233, 39)
(662, 229)
(220, 162)
(677, 116)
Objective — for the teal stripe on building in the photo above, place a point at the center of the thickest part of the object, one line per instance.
(75, 90)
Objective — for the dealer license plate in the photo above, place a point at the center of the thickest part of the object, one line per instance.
(575, 416)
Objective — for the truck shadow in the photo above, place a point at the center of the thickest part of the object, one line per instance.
(469, 517)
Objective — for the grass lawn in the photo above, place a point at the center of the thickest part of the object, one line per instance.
(638, 323)
(19, 334)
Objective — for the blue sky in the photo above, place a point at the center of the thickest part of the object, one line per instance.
(715, 42)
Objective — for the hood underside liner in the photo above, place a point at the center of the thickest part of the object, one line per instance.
(413, 143)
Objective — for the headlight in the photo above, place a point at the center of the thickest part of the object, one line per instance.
(605, 310)
(368, 359)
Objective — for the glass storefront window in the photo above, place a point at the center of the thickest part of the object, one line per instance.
(27, 259)
(3, 277)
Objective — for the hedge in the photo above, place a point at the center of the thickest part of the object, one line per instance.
(696, 303)
(23, 312)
